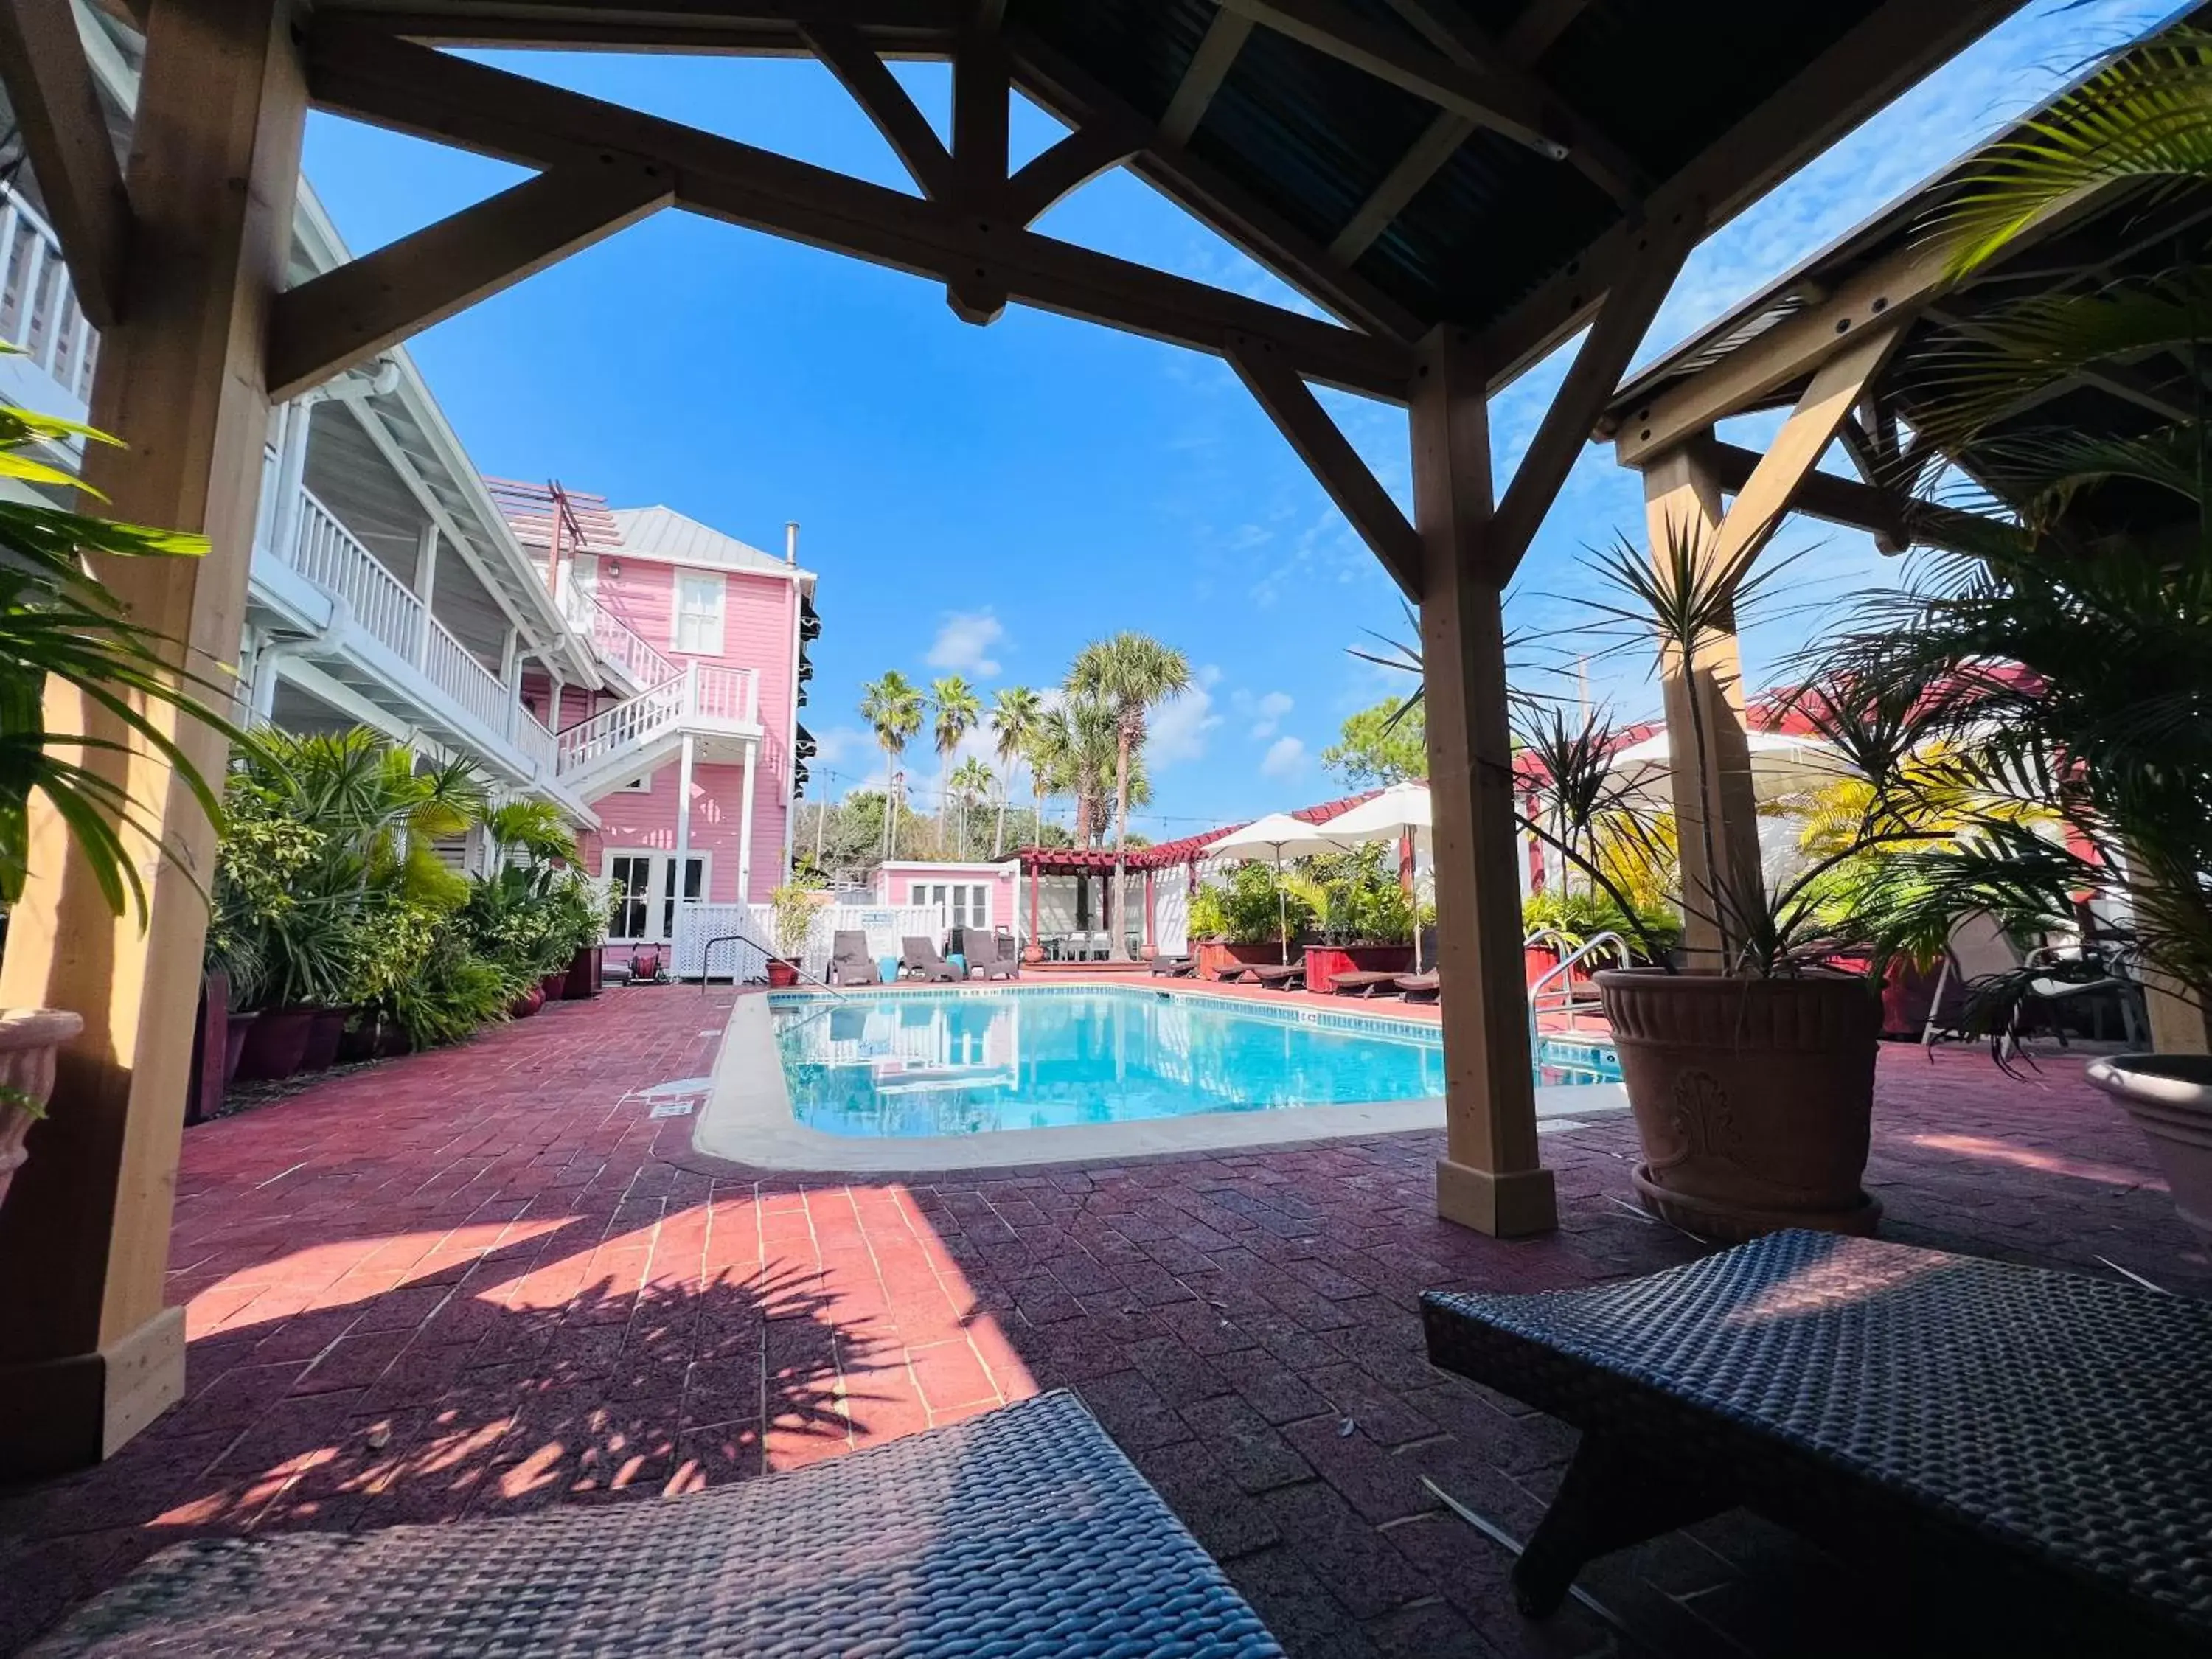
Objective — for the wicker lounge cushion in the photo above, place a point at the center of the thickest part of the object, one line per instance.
(1024, 1531)
(2030, 1424)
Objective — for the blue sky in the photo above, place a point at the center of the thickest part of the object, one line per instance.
(986, 501)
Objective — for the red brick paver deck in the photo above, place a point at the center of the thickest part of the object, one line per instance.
(480, 1280)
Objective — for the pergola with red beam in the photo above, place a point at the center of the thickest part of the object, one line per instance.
(1462, 188)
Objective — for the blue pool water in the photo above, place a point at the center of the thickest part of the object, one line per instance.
(971, 1062)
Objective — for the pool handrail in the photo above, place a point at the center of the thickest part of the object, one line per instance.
(1566, 1002)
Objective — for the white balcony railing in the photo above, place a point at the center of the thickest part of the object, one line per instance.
(450, 667)
(702, 694)
(724, 694)
(37, 305)
(616, 640)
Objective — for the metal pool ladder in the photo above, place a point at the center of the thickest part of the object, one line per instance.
(1546, 996)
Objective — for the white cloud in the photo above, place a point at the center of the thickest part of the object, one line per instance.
(842, 743)
(1286, 758)
(1177, 732)
(964, 643)
(1266, 712)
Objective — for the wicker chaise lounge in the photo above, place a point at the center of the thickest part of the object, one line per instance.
(1289, 976)
(1023, 1531)
(919, 958)
(1365, 982)
(2035, 1440)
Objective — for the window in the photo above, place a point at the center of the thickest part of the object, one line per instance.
(967, 904)
(699, 612)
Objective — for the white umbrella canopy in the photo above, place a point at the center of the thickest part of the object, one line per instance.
(1277, 836)
(1780, 764)
(1400, 807)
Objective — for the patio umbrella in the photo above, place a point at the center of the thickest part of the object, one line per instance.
(1401, 809)
(1780, 764)
(1277, 836)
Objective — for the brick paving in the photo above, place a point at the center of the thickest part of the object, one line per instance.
(477, 1281)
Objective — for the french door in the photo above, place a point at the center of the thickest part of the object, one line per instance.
(647, 887)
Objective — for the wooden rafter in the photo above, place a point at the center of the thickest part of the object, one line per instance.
(1322, 445)
(1621, 325)
(980, 89)
(1203, 77)
(1536, 29)
(347, 315)
(1069, 165)
(1890, 48)
(1489, 100)
(1078, 98)
(1892, 519)
(360, 72)
(846, 54)
(42, 65)
(1426, 158)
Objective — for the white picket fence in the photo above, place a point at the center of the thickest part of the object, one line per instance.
(697, 925)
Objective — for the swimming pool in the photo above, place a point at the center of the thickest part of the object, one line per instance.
(972, 1063)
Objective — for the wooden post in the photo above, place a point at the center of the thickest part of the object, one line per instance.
(1489, 1177)
(1715, 805)
(1149, 899)
(88, 1354)
(1035, 877)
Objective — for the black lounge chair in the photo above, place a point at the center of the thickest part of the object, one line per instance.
(1167, 967)
(1290, 976)
(1420, 988)
(987, 958)
(1024, 1530)
(2033, 1438)
(1363, 983)
(849, 961)
(918, 957)
(1010, 952)
(1229, 973)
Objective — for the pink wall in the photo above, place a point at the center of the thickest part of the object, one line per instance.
(647, 823)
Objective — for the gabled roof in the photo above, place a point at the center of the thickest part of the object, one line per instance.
(662, 533)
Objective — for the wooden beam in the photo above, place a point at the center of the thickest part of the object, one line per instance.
(1322, 445)
(65, 136)
(980, 89)
(1492, 1177)
(1080, 99)
(1535, 31)
(1622, 323)
(1068, 165)
(846, 53)
(1333, 30)
(1889, 50)
(753, 28)
(1203, 77)
(348, 315)
(410, 89)
(89, 1354)
(1421, 162)
(1894, 520)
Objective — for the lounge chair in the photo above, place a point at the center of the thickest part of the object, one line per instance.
(1024, 1530)
(1229, 973)
(1290, 976)
(1010, 952)
(2031, 1436)
(849, 961)
(1365, 984)
(987, 958)
(918, 956)
(1420, 988)
(1165, 967)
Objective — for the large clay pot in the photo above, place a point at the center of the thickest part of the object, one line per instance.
(1753, 1098)
(276, 1044)
(2170, 1097)
(781, 975)
(324, 1032)
(554, 987)
(234, 1044)
(28, 1040)
(527, 1004)
(584, 979)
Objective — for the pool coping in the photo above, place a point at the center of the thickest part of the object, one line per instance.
(747, 1118)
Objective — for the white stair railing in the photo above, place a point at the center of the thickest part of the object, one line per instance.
(616, 640)
(629, 725)
(533, 738)
(38, 311)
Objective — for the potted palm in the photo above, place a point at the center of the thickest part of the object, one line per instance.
(793, 906)
(58, 625)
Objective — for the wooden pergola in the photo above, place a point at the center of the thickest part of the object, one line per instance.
(1850, 345)
(1460, 185)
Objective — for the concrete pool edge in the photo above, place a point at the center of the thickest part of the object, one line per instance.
(747, 1119)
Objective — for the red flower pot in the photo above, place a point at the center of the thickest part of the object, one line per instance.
(553, 987)
(233, 1044)
(781, 975)
(527, 1004)
(275, 1044)
(584, 974)
(324, 1034)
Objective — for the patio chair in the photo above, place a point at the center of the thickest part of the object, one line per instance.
(1230, 973)
(918, 957)
(849, 961)
(1980, 950)
(1420, 988)
(1010, 952)
(1289, 976)
(1024, 1530)
(1365, 984)
(2033, 1435)
(1170, 966)
(987, 959)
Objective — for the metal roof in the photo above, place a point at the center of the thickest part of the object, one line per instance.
(662, 533)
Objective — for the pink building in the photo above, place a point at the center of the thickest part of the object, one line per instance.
(692, 758)
(973, 895)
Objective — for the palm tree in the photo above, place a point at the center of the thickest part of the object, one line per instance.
(1128, 674)
(954, 710)
(1015, 713)
(971, 781)
(892, 707)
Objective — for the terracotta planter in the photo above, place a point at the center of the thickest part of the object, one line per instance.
(781, 975)
(234, 1044)
(324, 1033)
(527, 1004)
(1754, 1098)
(2170, 1097)
(584, 975)
(276, 1044)
(553, 987)
(28, 1040)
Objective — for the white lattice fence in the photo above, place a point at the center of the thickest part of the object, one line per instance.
(697, 924)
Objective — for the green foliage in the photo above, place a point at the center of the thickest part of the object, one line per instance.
(1380, 746)
(1580, 917)
(58, 620)
(1126, 676)
(794, 905)
(1242, 907)
(452, 991)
